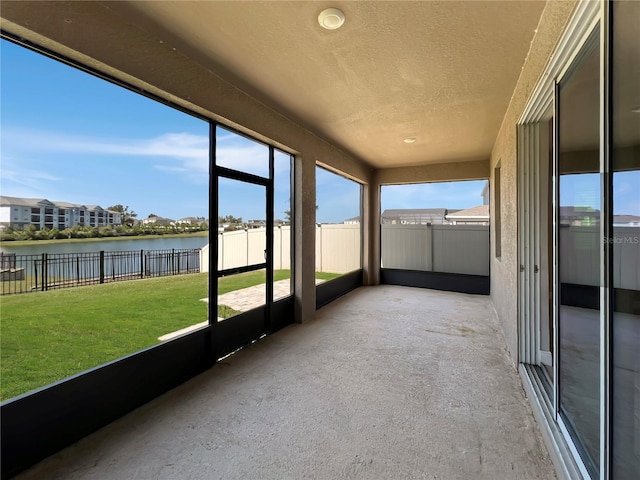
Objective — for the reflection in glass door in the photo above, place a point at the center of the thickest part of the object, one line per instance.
(579, 250)
(625, 241)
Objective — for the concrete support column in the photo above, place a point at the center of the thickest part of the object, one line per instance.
(371, 232)
(304, 221)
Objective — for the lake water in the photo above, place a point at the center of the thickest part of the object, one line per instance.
(135, 244)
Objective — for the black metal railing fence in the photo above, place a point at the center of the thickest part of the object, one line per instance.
(31, 273)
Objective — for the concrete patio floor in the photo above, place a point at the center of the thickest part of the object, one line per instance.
(386, 383)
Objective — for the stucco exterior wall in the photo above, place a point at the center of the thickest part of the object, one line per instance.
(439, 172)
(504, 271)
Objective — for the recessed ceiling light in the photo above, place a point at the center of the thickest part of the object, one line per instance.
(409, 140)
(331, 18)
(636, 110)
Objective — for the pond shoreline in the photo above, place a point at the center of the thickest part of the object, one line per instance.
(62, 241)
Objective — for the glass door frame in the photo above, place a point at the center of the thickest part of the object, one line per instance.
(217, 173)
(587, 17)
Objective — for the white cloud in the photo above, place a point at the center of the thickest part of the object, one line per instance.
(192, 151)
(188, 152)
(252, 158)
(18, 181)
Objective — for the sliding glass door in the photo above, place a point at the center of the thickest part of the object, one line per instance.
(625, 241)
(590, 98)
(580, 251)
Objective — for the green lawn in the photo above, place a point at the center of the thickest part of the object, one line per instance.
(48, 336)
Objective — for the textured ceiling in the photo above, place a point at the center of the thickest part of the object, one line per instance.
(442, 72)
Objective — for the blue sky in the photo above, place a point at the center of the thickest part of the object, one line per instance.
(455, 195)
(69, 136)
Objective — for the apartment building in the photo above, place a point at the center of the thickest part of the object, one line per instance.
(18, 213)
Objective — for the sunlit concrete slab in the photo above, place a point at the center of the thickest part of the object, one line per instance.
(386, 382)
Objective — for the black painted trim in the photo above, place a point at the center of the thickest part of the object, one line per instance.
(282, 313)
(245, 269)
(239, 331)
(40, 423)
(582, 296)
(588, 296)
(329, 291)
(451, 282)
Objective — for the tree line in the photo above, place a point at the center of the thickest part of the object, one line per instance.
(31, 232)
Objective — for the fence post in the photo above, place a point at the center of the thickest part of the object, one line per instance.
(78, 269)
(319, 246)
(45, 273)
(433, 257)
(173, 261)
(113, 267)
(141, 263)
(101, 266)
(220, 251)
(35, 272)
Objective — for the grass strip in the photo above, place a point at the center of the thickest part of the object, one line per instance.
(48, 336)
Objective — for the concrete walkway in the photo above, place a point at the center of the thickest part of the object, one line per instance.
(240, 300)
(252, 297)
(386, 383)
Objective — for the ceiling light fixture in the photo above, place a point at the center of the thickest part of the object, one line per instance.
(409, 140)
(636, 110)
(331, 18)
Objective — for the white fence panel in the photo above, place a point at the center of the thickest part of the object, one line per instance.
(626, 257)
(232, 249)
(256, 246)
(406, 247)
(578, 264)
(338, 248)
(246, 247)
(456, 249)
(582, 267)
(440, 248)
(461, 249)
(282, 248)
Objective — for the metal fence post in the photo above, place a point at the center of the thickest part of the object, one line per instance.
(45, 273)
(141, 263)
(101, 266)
(35, 272)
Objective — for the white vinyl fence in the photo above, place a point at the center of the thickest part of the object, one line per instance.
(580, 264)
(437, 248)
(337, 248)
